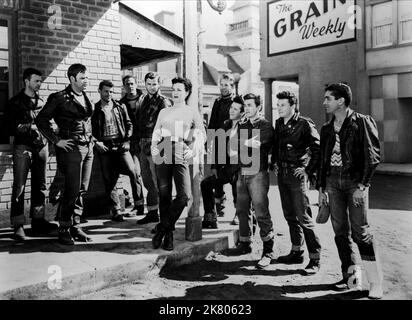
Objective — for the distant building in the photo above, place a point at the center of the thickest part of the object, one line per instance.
(315, 43)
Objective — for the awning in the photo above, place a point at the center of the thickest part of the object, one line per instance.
(133, 56)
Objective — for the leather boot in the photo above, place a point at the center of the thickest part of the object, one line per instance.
(151, 216)
(292, 258)
(64, 236)
(158, 237)
(19, 234)
(209, 221)
(42, 226)
(79, 235)
(168, 241)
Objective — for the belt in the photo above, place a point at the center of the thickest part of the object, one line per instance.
(286, 165)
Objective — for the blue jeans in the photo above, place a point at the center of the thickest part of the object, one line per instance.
(254, 189)
(209, 186)
(295, 204)
(114, 163)
(349, 222)
(148, 170)
(170, 210)
(76, 166)
(27, 158)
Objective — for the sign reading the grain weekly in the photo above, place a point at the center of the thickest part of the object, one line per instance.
(301, 24)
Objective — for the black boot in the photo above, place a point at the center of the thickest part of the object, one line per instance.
(294, 257)
(64, 236)
(42, 226)
(242, 248)
(168, 241)
(79, 235)
(19, 234)
(152, 216)
(158, 237)
(209, 221)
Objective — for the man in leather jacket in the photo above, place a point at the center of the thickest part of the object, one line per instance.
(219, 114)
(71, 110)
(112, 129)
(131, 101)
(147, 112)
(228, 170)
(296, 153)
(30, 152)
(349, 155)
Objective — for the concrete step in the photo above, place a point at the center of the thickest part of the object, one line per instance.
(121, 252)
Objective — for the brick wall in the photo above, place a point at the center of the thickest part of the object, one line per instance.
(89, 34)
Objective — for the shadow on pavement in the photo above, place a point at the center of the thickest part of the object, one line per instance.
(263, 292)
(391, 192)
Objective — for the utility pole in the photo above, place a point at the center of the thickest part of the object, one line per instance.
(191, 71)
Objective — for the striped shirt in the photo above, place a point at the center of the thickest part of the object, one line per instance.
(110, 130)
(336, 158)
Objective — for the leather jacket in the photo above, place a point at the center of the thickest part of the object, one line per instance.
(231, 142)
(21, 113)
(247, 130)
(131, 105)
(72, 119)
(359, 145)
(220, 112)
(296, 143)
(147, 112)
(121, 116)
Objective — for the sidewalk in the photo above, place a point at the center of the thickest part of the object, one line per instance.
(402, 169)
(120, 252)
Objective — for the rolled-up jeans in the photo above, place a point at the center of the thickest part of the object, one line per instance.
(27, 158)
(295, 204)
(348, 221)
(76, 166)
(254, 189)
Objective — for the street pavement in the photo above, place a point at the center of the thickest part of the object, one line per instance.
(221, 276)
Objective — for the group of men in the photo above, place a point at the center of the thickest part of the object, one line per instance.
(120, 132)
(341, 162)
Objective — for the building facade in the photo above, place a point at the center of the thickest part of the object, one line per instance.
(366, 44)
(103, 35)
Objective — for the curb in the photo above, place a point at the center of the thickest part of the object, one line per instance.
(146, 267)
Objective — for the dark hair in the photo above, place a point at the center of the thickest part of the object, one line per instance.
(290, 96)
(229, 77)
(125, 78)
(153, 76)
(239, 100)
(186, 82)
(29, 72)
(253, 96)
(75, 69)
(106, 83)
(340, 90)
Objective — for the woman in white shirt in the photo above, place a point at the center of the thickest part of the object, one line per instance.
(178, 136)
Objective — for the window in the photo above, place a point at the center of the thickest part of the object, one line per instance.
(5, 76)
(382, 24)
(405, 21)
